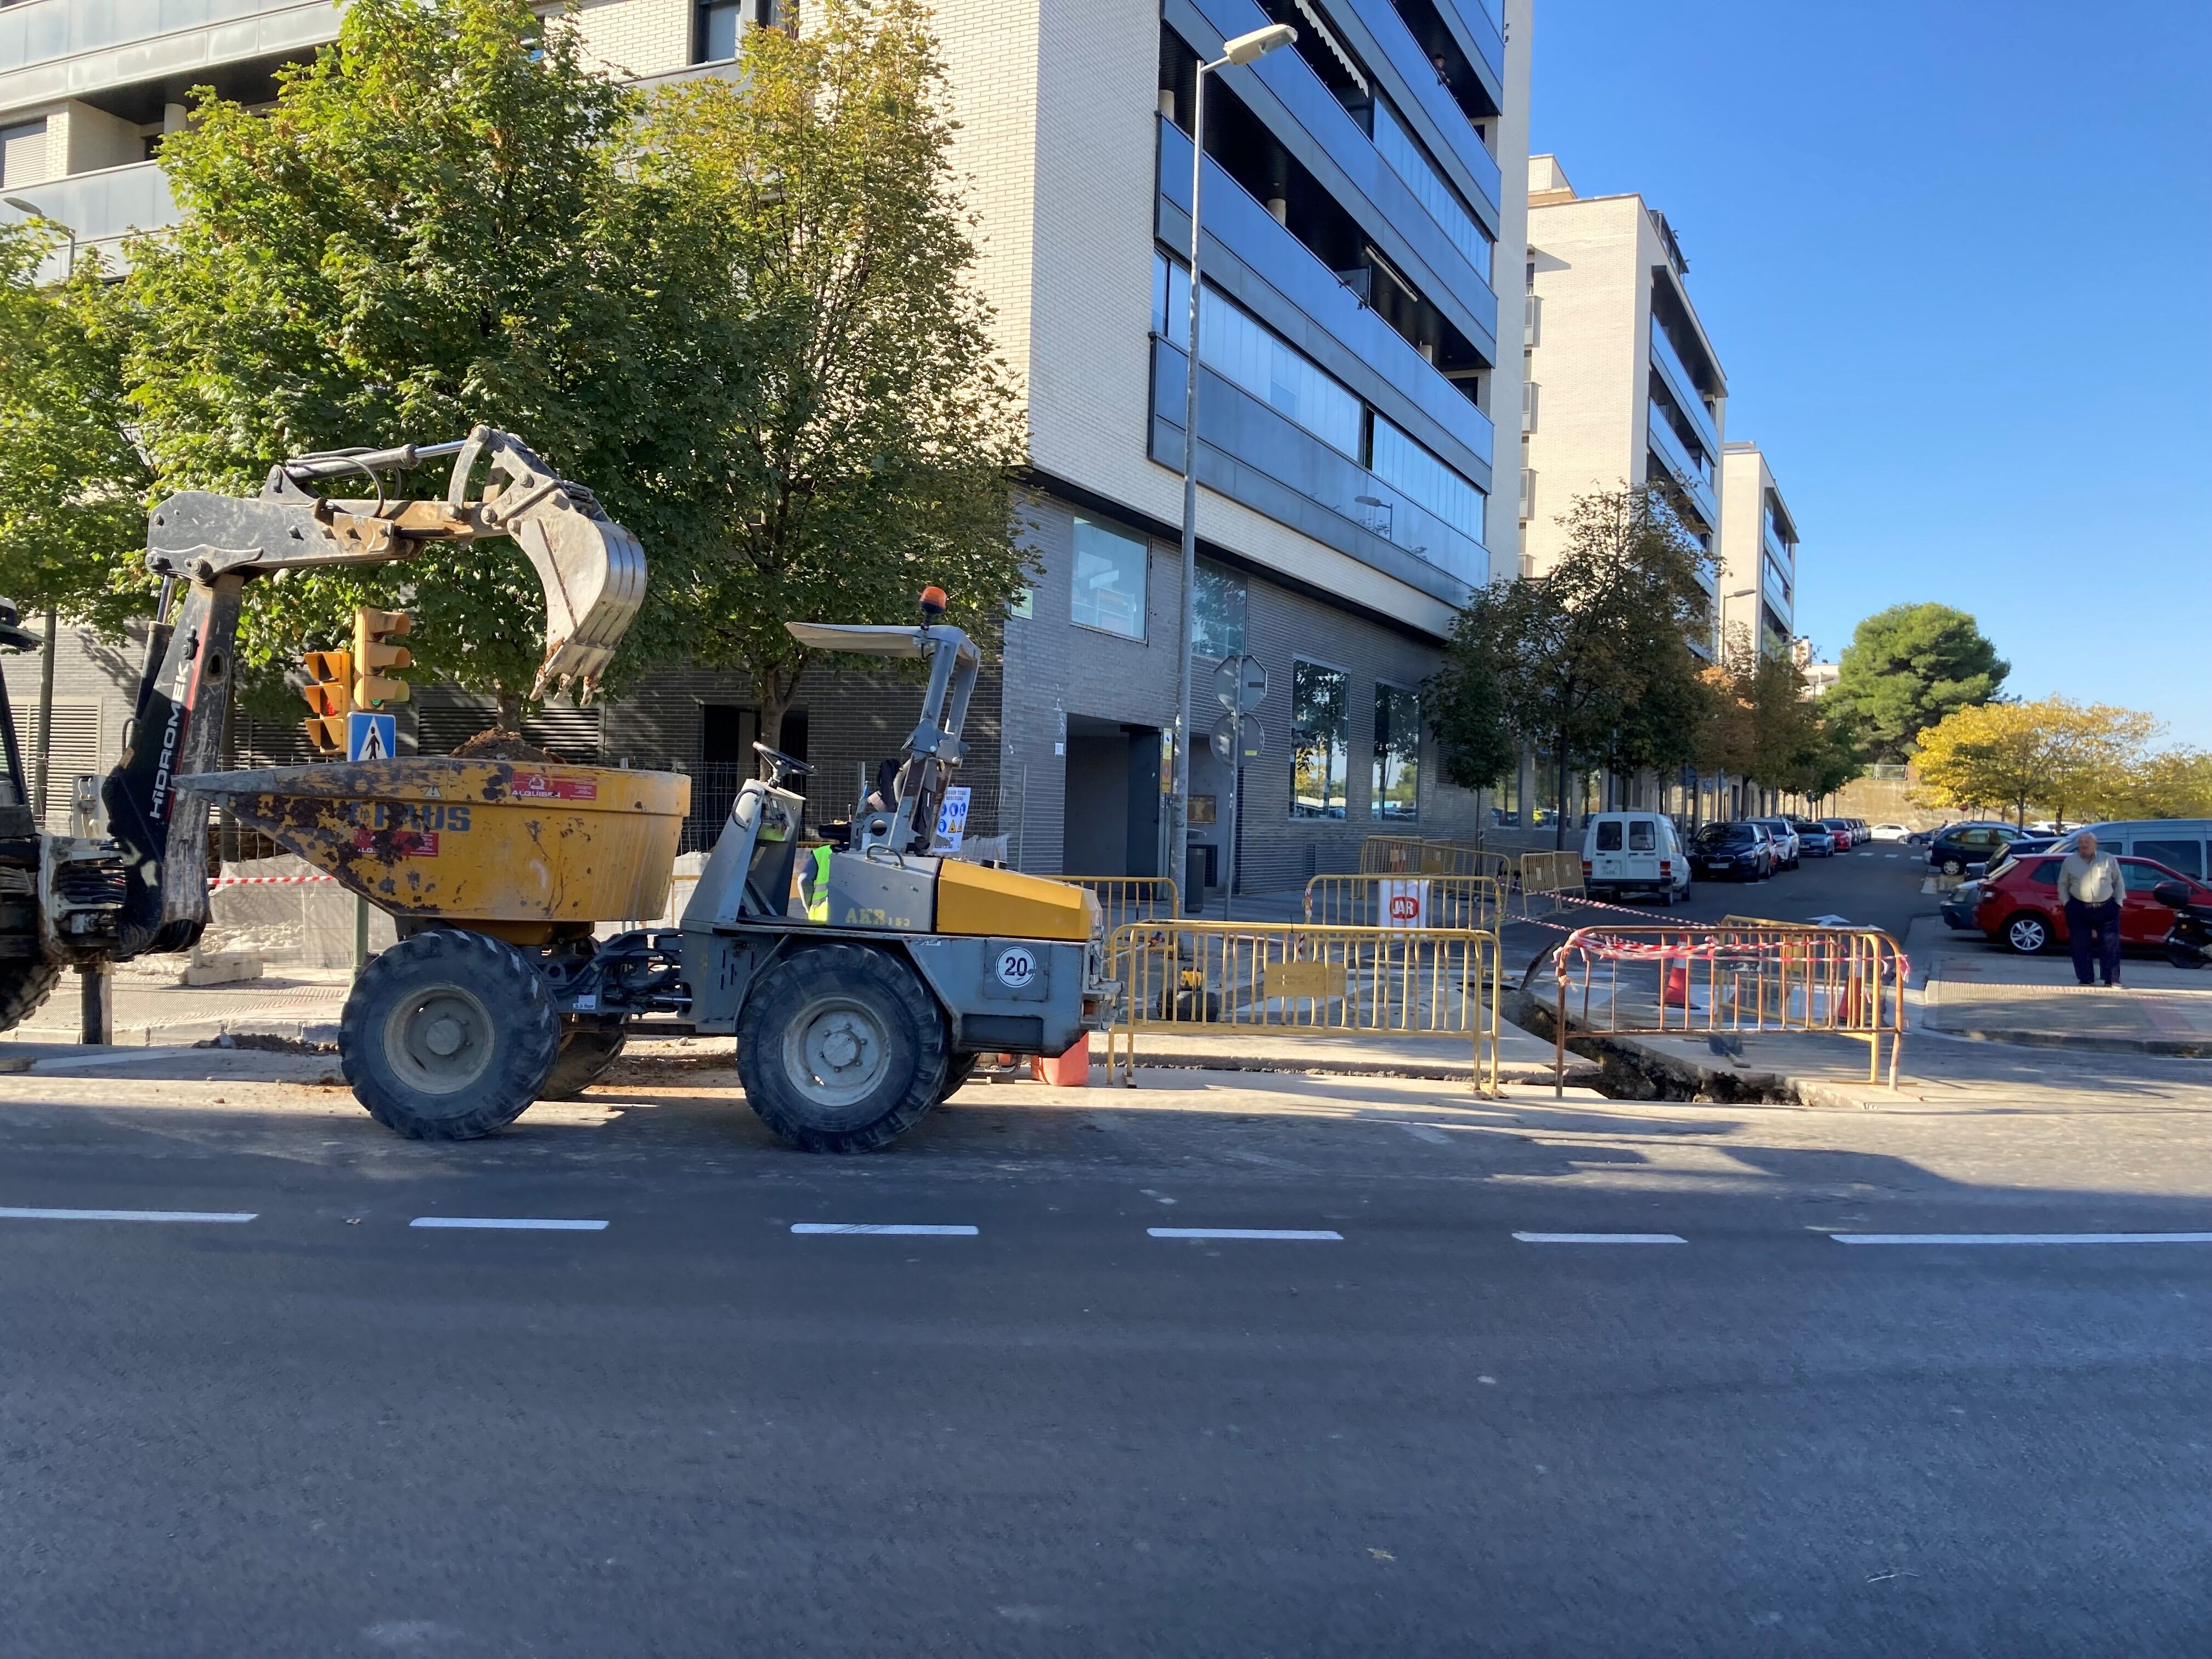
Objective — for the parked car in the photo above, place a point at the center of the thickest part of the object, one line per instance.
(2019, 848)
(1958, 906)
(1891, 832)
(2019, 908)
(1841, 829)
(1787, 853)
(1964, 844)
(1814, 839)
(1626, 853)
(2179, 843)
(1741, 852)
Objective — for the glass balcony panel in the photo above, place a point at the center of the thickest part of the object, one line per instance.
(47, 29)
(1250, 453)
(101, 207)
(1676, 459)
(1444, 204)
(1676, 376)
(1357, 345)
(1404, 55)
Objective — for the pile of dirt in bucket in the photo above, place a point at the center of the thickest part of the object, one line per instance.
(499, 746)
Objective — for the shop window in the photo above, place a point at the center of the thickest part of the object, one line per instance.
(1321, 722)
(1109, 580)
(1395, 795)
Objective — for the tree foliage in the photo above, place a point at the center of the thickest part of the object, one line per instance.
(1910, 666)
(1589, 662)
(432, 227)
(2070, 759)
(866, 436)
(72, 483)
(1762, 725)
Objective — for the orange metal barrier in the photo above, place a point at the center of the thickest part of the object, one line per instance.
(1652, 981)
(1410, 855)
(1126, 899)
(1377, 901)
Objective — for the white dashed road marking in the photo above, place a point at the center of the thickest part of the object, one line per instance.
(1245, 1232)
(892, 1229)
(1601, 1238)
(127, 1215)
(518, 1224)
(2022, 1238)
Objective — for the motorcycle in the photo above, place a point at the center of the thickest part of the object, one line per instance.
(2189, 943)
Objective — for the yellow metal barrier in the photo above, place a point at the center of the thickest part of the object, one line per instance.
(1410, 855)
(1556, 873)
(1404, 900)
(1291, 979)
(1126, 899)
(1735, 978)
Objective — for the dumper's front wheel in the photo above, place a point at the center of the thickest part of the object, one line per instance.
(448, 1036)
(841, 1048)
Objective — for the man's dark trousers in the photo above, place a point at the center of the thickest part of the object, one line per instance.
(2103, 921)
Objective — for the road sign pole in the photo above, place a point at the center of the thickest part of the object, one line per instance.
(1229, 850)
(360, 934)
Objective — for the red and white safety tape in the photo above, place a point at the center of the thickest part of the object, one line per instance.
(265, 881)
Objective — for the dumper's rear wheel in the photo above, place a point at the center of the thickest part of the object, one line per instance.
(448, 1036)
(841, 1048)
(588, 1047)
(25, 983)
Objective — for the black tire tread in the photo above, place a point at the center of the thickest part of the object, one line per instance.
(25, 984)
(505, 982)
(783, 989)
(586, 1052)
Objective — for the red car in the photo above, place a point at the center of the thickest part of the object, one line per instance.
(2021, 907)
(1841, 828)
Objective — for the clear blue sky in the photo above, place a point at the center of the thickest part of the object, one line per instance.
(1956, 257)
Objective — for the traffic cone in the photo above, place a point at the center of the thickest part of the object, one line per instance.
(1675, 993)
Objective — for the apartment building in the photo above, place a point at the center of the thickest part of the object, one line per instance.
(1759, 553)
(1622, 385)
(1358, 189)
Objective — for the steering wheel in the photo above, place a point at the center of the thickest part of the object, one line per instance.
(785, 765)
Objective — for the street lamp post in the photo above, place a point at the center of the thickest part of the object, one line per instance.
(1245, 49)
(46, 656)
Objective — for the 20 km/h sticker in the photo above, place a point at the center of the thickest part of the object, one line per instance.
(1017, 967)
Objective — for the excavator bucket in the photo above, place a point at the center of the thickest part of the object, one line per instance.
(592, 569)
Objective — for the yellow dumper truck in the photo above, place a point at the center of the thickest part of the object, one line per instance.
(860, 988)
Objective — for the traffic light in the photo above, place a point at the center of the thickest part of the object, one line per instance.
(373, 653)
(330, 693)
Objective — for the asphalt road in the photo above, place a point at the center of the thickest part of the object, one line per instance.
(698, 1430)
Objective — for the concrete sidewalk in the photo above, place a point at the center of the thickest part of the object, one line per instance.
(1977, 991)
(301, 1004)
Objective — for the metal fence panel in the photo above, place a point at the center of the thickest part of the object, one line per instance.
(1403, 900)
(1292, 979)
(1124, 899)
(1743, 978)
(1396, 855)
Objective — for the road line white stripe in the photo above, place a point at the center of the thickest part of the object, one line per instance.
(510, 1224)
(1244, 1232)
(2022, 1238)
(128, 1215)
(896, 1230)
(1601, 1238)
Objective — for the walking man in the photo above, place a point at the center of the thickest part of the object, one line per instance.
(2090, 887)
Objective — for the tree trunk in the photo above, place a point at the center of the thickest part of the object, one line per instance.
(510, 710)
(1560, 817)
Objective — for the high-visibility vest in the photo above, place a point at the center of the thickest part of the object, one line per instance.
(817, 901)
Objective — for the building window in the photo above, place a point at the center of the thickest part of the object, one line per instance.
(720, 23)
(1109, 580)
(1321, 722)
(1406, 466)
(1240, 348)
(1218, 619)
(1397, 785)
(23, 154)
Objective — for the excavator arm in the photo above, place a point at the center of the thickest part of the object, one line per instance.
(208, 547)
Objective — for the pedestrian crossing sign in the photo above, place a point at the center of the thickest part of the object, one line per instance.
(371, 736)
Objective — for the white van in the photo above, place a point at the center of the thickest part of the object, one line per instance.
(2182, 844)
(1627, 852)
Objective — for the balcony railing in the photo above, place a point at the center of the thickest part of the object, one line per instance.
(1682, 388)
(1776, 549)
(1251, 452)
(1369, 355)
(51, 49)
(102, 208)
(1696, 484)
(1404, 56)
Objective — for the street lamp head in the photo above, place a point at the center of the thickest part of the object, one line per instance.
(22, 206)
(1258, 44)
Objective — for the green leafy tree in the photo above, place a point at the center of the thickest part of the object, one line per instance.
(437, 224)
(866, 436)
(1563, 662)
(1910, 666)
(72, 483)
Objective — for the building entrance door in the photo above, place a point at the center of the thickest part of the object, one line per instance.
(1111, 814)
